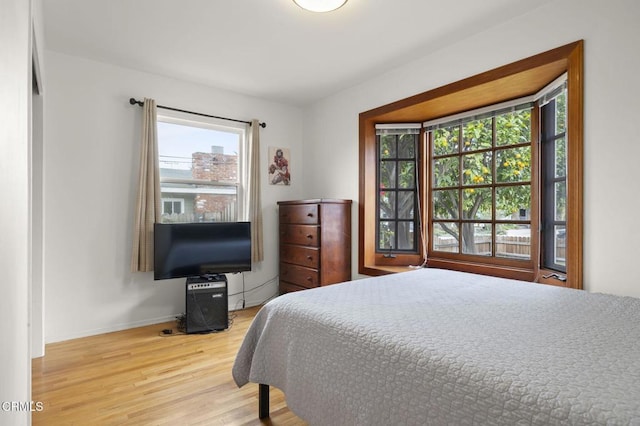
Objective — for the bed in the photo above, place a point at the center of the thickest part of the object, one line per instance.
(438, 347)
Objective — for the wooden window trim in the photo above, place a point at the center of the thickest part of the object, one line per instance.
(521, 78)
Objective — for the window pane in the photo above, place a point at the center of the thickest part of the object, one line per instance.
(554, 184)
(561, 113)
(406, 205)
(407, 174)
(446, 140)
(197, 153)
(513, 202)
(387, 204)
(388, 174)
(476, 238)
(561, 157)
(513, 241)
(513, 164)
(560, 239)
(396, 194)
(446, 172)
(477, 168)
(199, 171)
(405, 236)
(201, 203)
(478, 135)
(513, 128)
(445, 204)
(445, 236)
(477, 203)
(407, 146)
(387, 146)
(387, 235)
(561, 201)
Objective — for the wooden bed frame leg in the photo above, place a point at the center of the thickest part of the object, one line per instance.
(263, 401)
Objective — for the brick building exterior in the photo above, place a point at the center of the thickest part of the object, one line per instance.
(216, 167)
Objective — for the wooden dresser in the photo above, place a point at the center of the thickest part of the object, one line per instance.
(315, 243)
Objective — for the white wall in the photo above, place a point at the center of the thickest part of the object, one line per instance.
(15, 95)
(91, 158)
(37, 186)
(612, 65)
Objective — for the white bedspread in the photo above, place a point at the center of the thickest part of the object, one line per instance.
(436, 347)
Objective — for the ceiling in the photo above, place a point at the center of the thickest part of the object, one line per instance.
(270, 49)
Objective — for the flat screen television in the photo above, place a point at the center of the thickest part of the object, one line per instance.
(201, 249)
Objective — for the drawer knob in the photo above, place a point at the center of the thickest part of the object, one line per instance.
(309, 279)
(310, 214)
(309, 258)
(309, 236)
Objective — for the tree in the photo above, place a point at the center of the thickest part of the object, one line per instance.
(470, 161)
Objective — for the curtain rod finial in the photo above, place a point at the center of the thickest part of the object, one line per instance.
(133, 101)
(263, 125)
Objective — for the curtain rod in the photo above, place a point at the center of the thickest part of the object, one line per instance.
(133, 101)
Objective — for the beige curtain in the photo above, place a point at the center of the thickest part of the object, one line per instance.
(148, 202)
(254, 203)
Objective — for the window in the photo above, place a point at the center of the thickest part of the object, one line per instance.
(483, 192)
(554, 182)
(481, 185)
(397, 197)
(201, 170)
(172, 206)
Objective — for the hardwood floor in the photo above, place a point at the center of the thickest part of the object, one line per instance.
(142, 377)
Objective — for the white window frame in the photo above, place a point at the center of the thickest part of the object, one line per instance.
(241, 129)
(172, 200)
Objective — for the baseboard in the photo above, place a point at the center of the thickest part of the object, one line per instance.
(111, 329)
(141, 323)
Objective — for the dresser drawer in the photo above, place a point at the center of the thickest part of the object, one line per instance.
(306, 235)
(299, 275)
(304, 256)
(304, 214)
(286, 287)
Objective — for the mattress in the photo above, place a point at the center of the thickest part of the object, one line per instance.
(440, 347)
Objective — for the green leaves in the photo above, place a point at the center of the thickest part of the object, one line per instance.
(446, 140)
(513, 128)
(481, 172)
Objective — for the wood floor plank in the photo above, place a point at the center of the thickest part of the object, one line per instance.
(142, 377)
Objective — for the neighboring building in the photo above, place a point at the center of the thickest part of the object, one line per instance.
(207, 191)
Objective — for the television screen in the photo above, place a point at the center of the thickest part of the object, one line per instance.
(199, 249)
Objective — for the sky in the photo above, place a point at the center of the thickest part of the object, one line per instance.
(178, 140)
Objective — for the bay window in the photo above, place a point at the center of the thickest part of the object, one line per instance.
(491, 182)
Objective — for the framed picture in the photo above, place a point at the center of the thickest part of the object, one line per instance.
(279, 168)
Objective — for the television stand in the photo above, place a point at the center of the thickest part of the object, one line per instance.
(206, 304)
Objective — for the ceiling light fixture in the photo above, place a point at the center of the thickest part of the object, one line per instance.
(320, 5)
